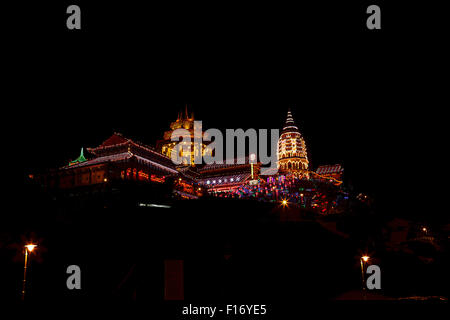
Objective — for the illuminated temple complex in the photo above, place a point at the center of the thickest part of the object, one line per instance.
(120, 158)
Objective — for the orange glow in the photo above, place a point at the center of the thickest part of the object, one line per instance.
(284, 203)
(365, 258)
(157, 179)
(142, 175)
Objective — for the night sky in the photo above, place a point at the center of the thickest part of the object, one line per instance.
(368, 100)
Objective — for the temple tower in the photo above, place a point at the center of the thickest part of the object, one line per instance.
(184, 121)
(292, 155)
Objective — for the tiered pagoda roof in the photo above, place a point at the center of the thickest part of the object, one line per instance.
(119, 148)
(292, 155)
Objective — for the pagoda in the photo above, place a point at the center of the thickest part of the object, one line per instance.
(166, 145)
(292, 155)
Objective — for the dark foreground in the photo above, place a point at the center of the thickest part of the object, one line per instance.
(206, 252)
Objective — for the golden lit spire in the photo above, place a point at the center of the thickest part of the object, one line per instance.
(289, 118)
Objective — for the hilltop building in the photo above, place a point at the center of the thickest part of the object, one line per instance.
(166, 145)
(292, 154)
(120, 158)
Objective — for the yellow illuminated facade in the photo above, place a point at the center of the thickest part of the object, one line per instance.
(184, 121)
(292, 155)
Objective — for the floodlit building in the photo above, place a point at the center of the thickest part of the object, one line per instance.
(191, 149)
(292, 155)
(120, 160)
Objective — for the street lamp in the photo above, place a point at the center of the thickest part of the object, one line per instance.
(363, 260)
(28, 249)
(252, 160)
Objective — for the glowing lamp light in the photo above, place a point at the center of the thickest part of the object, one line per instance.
(424, 229)
(30, 247)
(252, 160)
(365, 258)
